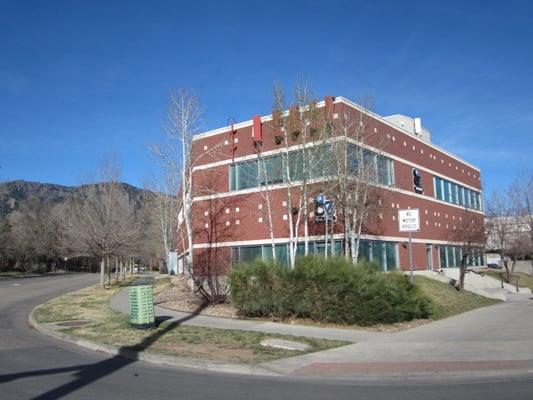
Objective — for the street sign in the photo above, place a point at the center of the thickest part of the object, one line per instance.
(409, 220)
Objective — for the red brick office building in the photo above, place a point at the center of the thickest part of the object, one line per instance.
(231, 224)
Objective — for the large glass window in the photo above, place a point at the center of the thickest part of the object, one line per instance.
(458, 256)
(270, 170)
(461, 196)
(244, 175)
(250, 253)
(451, 256)
(383, 253)
(353, 158)
(364, 250)
(318, 160)
(384, 170)
(438, 188)
(296, 165)
(392, 262)
(446, 191)
(378, 254)
(373, 167)
(456, 194)
(442, 255)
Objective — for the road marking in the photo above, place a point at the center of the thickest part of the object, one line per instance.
(15, 284)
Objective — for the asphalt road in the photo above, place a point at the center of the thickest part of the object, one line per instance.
(33, 366)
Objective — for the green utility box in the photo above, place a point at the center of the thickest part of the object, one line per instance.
(142, 307)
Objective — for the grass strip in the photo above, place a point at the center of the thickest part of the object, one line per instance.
(448, 301)
(112, 328)
(524, 280)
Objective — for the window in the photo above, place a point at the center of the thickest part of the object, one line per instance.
(378, 254)
(442, 255)
(458, 256)
(244, 175)
(364, 250)
(318, 160)
(353, 158)
(383, 253)
(270, 170)
(446, 191)
(392, 263)
(384, 170)
(250, 253)
(450, 256)
(461, 196)
(296, 165)
(438, 189)
(376, 168)
(474, 200)
(456, 194)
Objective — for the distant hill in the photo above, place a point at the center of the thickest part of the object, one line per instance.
(15, 192)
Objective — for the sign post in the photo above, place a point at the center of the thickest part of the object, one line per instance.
(409, 221)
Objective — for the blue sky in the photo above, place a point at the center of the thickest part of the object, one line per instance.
(79, 79)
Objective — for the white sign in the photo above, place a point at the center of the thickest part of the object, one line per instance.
(409, 220)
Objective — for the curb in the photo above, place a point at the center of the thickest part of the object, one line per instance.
(272, 371)
(159, 359)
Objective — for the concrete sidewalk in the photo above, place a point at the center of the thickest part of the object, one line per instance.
(490, 341)
(121, 303)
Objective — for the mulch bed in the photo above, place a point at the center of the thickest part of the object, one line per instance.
(179, 297)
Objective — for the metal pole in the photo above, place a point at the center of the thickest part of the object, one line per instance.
(326, 239)
(411, 277)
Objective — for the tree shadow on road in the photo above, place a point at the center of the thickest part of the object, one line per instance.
(89, 373)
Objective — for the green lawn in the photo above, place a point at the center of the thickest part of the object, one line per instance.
(11, 274)
(160, 285)
(447, 301)
(113, 328)
(524, 280)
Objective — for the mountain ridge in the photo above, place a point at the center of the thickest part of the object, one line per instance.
(13, 193)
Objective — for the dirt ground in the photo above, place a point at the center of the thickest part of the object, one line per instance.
(180, 298)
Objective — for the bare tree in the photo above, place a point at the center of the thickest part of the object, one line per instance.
(510, 224)
(102, 221)
(34, 234)
(300, 132)
(183, 122)
(266, 184)
(162, 210)
(5, 244)
(362, 174)
(179, 159)
(208, 274)
(471, 236)
(521, 194)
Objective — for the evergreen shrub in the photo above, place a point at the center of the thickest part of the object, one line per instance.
(327, 290)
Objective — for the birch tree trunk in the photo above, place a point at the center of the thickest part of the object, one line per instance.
(102, 273)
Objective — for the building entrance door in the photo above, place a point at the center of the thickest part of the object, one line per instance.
(429, 256)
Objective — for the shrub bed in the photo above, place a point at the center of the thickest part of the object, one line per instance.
(332, 290)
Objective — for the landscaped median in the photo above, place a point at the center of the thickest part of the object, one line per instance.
(85, 317)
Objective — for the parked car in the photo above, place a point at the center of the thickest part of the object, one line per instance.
(493, 266)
